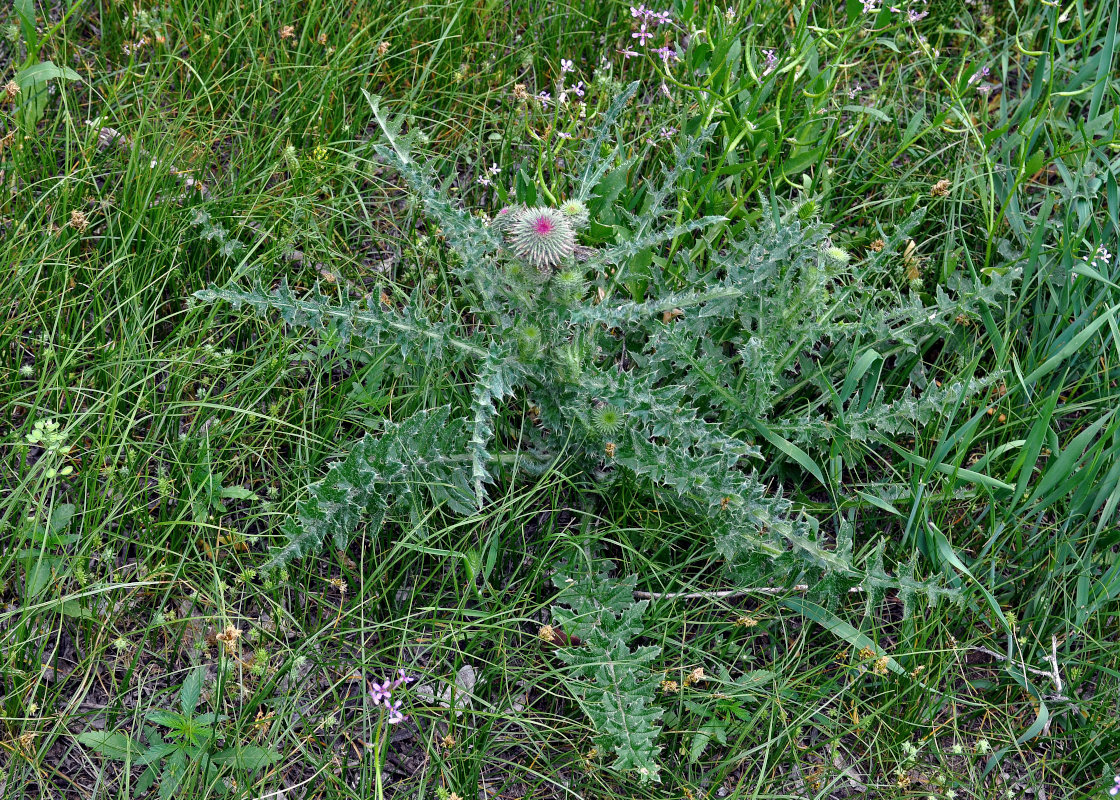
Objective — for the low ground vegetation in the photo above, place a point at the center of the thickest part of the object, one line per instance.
(559, 400)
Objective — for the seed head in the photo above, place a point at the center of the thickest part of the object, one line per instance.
(11, 89)
(542, 236)
(78, 220)
(696, 676)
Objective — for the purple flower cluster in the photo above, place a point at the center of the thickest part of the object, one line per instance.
(648, 18)
(1115, 789)
(382, 694)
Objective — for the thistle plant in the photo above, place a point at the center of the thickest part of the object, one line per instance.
(675, 377)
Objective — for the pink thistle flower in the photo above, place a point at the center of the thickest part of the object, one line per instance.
(542, 236)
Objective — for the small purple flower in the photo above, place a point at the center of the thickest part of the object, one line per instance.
(577, 90)
(641, 35)
(544, 97)
(667, 54)
(382, 694)
(640, 11)
(1115, 790)
(566, 66)
(663, 18)
(627, 53)
(494, 170)
(667, 132)
(856, 89)
(563, 135)
(976, 77)
(916, 16)
(871, 6)
(771, 61)
(483, 180)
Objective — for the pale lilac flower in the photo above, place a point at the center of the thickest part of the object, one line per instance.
(976, 77)
(771, 61)
(667, 53)
(856, 89)
(566, 65)
(494, 169)
(641, 35)
(563, 135)
(544, 97)
(627, 53)
(667, 132)
(382, 694)
(1115, 790)
(640, 11)
(665, 90)
(916, 16)
(395, 715)
(483, 180)
(1100, 257)
(577, 90)
(871, 6)
(663, 18)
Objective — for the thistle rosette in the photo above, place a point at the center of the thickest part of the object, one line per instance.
(542, 237)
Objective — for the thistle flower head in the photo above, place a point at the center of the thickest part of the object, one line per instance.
(505, 217)
(607, 419)
(577, 214)
(570, 285)
(542, 236)
(529, 341)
